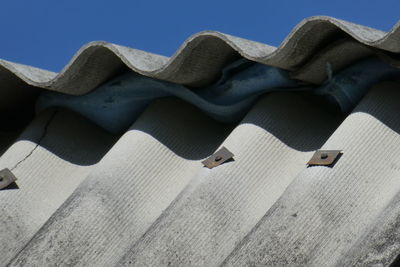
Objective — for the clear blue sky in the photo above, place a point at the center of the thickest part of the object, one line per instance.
(47, 33)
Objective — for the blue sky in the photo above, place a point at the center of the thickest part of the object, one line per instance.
(47, 33)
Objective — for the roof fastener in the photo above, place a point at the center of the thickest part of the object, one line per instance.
(6, 178)
(218, 158)
(324, 157)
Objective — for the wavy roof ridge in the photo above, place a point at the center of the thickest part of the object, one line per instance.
(200, 58)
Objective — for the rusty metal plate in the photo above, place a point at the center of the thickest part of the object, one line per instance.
(6, 178)
(324, 157)
(218, 158)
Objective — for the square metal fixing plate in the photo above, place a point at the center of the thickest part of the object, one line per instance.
(218, 158)
(324, 157)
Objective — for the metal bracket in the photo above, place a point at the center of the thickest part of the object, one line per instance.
(218, 158)
(324, 157)
(6, 178)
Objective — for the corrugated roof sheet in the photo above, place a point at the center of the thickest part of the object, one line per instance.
(86, 197)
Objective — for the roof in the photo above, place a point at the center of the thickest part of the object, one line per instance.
(86, 196)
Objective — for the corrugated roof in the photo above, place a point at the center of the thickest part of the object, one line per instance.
(85, 196)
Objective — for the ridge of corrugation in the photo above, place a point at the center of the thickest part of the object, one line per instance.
(200, 59)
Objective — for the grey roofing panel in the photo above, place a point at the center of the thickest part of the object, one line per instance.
(86, 198)
(326, 61)
(50, 159)
(128, 190)
(200, 59)
(381, 245)
(325, 211)
(271, 145)
(181, 179)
